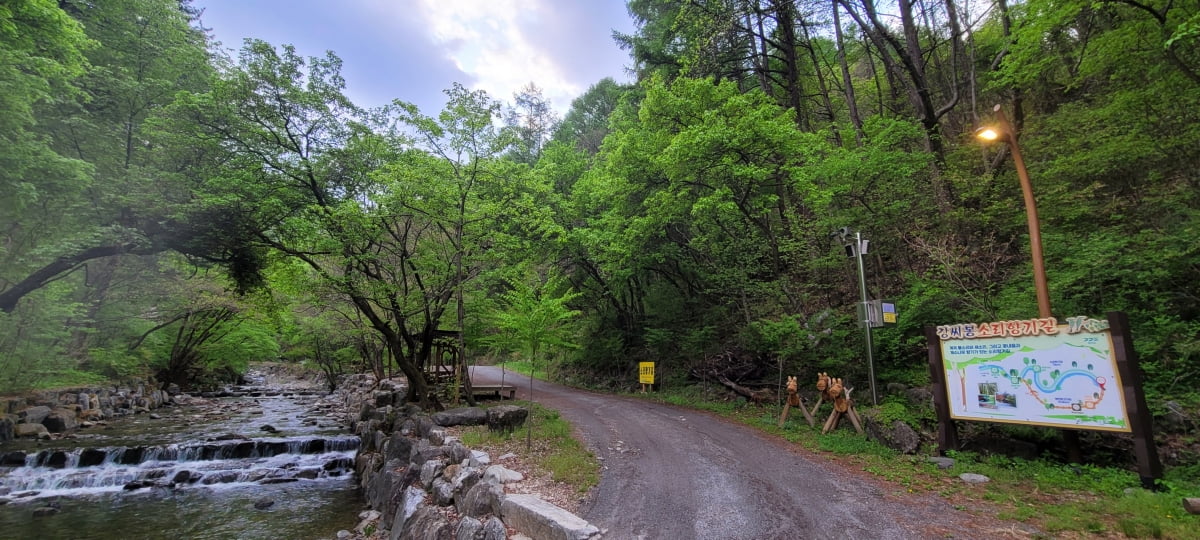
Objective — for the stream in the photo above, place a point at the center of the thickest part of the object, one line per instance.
(270, 462)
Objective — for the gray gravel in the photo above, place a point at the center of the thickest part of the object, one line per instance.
(673, 473)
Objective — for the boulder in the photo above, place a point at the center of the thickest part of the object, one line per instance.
(485, 497)
(12, 459)
(399, 447)
(1174, 420)
(465, 416)
(31, 431)
(480, 458)
(411, 501)
(426, 524)
(61, 421)
(544, 521)
(919, 396)
(430, 470)
(506, 418)
(942, 462)
(493, 529)
(424, 452)
(972, 478)
(443, 492)
(898, 436)
(34, 415)
(1192, 505)
(503, 474)
(468, 528)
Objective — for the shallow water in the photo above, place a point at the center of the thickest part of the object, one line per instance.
(200, 487)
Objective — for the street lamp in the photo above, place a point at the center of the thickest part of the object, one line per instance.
(1003, 130)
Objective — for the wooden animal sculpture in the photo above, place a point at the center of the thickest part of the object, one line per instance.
(840, 395)
(793, 400)
(823, 382)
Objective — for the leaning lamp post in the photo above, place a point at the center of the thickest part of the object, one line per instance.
(1003, 130)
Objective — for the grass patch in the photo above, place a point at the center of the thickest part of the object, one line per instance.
(553, 450)
(1060, 499)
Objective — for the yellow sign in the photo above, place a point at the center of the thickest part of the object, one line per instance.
(646, 372)
(889, 318)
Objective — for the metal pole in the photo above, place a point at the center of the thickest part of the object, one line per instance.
(866, 315)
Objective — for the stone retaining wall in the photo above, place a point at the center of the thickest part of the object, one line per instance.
(414, 474)
(38, 414)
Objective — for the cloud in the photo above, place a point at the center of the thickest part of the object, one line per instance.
(414, 49)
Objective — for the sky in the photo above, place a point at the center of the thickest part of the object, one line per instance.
(412, 50)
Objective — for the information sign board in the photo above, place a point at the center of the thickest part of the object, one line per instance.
(1034, 372)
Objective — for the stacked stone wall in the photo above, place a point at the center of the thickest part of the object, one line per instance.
(413, 472)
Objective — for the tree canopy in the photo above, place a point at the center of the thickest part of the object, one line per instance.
(172, 211)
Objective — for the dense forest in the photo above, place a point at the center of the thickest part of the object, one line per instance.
(169, 210)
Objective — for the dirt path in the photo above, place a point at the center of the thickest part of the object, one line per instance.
(673, 473)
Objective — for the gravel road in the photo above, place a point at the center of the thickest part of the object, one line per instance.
(672, 473)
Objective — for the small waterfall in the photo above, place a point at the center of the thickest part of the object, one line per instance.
(89, 470)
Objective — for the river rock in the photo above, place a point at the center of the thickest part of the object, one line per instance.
(12, 459)
(219, 477)
(45, 511)
(465, 416)
(263, 504)
(31, 431)
(506, 418)
(269, 428)
(308, 474)
(60, 421)
(7, 431)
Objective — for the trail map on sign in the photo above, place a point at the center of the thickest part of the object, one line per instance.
(1057, 378)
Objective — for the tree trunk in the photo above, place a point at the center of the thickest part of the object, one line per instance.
(51, 271)
(847, 82)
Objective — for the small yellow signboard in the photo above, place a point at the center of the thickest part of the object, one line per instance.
(646, 372)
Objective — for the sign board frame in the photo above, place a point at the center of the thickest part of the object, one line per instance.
(1125, 384)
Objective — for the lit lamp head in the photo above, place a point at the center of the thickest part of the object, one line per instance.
(1001, 130)
(988, 134)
